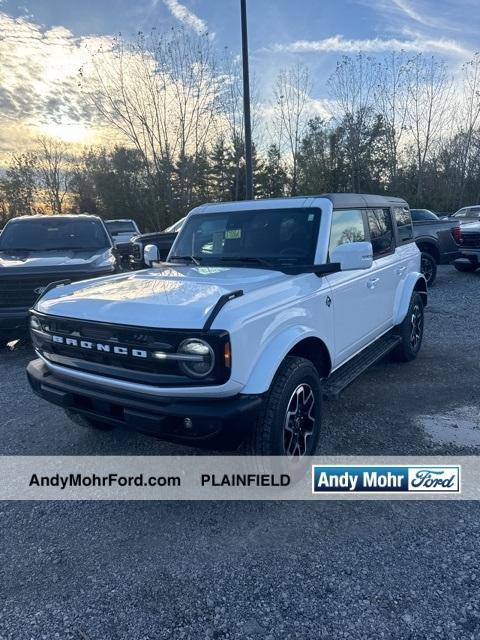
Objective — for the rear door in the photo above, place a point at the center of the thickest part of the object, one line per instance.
(382, 284)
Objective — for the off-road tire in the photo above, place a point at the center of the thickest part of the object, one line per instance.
(428, 266)
(413, 323)
(267, 437)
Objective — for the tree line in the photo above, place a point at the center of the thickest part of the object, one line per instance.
(398, 125)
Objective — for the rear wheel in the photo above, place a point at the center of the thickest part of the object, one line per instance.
(88, 423)
(289, 421)
(467, 266)
(428, 267)
(410, 331)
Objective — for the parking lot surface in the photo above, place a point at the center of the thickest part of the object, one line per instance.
(107, 571)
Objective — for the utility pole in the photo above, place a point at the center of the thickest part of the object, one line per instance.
(246, 106)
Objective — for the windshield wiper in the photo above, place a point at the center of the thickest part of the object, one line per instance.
(247, 259)
(195, 259)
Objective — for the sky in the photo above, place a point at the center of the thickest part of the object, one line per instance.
(43, 43)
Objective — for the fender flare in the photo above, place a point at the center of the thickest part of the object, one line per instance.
(414, 281)
(269, 360)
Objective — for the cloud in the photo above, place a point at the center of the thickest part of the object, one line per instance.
(340, 44)
(187, 17)
(39, 84)
(413, 14)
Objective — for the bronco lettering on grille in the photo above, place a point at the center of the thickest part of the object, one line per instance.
(99, 346)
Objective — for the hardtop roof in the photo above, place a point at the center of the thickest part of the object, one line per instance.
(338, 200)
(342, 200)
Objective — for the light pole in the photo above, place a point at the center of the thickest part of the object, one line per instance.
(246, 106)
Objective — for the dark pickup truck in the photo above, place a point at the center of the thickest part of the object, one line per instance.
(38, 250)
(438, 239)
(163, 240)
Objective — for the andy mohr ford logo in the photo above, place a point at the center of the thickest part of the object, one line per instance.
(385, 479)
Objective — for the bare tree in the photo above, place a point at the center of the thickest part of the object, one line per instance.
(470, 120)
(352, 87)
(391, 102)
(161, 93)
(52, 160)
(292, 95)
(429, 109)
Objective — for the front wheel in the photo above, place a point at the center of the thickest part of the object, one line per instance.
(428, 267)
(410, 331)
(289, 421)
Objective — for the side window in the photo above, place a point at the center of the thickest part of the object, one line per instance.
(381, 231)
(404, 223)
(347, 226)
(461, 214)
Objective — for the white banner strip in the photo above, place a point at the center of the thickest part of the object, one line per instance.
(238, 478)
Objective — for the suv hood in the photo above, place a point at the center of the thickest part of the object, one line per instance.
(179, 297)
(49, 260)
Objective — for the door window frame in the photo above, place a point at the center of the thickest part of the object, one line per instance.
(394, 243)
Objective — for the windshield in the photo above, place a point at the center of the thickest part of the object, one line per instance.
(115, 227)
(423, 214)
(51, 233)
(270, 237)
(175, 227)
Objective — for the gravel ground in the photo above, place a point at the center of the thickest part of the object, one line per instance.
(145, 571)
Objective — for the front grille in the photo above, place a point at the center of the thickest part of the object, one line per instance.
(471, 240)
(22, 292)
(145, 368)
(125, 249)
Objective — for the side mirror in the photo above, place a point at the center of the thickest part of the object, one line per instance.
(353, 255)
(151, 254)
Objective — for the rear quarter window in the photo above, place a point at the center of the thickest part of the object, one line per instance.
(381, 231)
(403, 221)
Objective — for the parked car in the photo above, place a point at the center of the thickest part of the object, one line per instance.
(122, 230)
(163, 240)
(38, 250)
(438, 240)
(470, 249)
(263, 308)
(468, 213)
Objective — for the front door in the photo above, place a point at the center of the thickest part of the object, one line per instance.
(354, 294)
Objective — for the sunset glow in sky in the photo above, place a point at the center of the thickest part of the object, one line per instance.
(44, 43)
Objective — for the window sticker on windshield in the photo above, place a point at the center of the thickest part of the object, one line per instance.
(233, 234)
(311, 217)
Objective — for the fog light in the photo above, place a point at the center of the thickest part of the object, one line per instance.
(187, 423)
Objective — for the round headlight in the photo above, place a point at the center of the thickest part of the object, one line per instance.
(199, 359)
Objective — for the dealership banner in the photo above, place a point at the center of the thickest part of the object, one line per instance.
(238, 478)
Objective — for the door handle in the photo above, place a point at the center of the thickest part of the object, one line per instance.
(372, 283)
(401, 270)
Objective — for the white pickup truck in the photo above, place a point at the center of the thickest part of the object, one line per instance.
(262, 309)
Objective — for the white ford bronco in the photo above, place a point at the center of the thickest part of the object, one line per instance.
(262, 308)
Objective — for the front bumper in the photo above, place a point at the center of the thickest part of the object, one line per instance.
(13, 324)
(472, 254)
(449, 256)
(163, 417)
